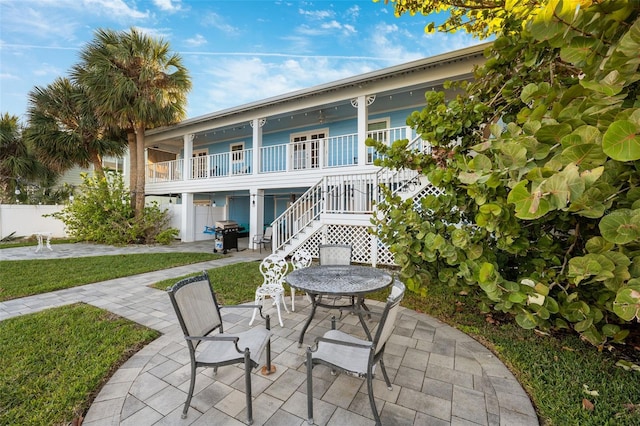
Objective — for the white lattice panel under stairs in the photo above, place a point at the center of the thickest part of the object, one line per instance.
(427, 190)
(358, 237)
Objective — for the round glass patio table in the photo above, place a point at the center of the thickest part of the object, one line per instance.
(343, 280)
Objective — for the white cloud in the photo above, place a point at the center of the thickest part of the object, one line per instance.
(158, 33)
(317, 14)
(197, 40)
(48, 70)
(168, 5)
(40, 23)
(115, 8)
(232, 81)
(214, 20)
(7, 76)
(390, 41)
(353, 12)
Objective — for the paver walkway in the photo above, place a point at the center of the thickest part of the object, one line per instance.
(440, 375)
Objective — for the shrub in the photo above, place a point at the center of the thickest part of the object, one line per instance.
(537, 168)
(101, 212)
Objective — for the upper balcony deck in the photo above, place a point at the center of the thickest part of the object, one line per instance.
(317, 155)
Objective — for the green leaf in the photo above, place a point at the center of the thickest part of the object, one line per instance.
(621, 226)
(611, 85)
(527, 205)
(588, 154)
(526, 320)
(486, 273)
(622, 141)
(580, 51)
(553, 133)
(598, 245)
(627, 302)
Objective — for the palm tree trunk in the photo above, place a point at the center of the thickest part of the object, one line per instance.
(140, 171)
(96, 160)
(133, 166)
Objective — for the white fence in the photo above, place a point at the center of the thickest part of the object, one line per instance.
(24, 220)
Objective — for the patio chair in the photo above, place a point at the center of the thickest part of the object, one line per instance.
(343, 352)
(199, 316)
(334, 254)
(300, 259)
(264, 239)
(273, 269)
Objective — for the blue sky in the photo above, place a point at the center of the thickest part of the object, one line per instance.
(236, 51)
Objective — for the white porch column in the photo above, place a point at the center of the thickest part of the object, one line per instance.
(188, 219)
(362, 103)
(187, 141)
(257, 124)
(256, 214)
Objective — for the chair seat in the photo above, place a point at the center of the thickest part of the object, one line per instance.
(354, 359)
(270, 290)
(211, 352)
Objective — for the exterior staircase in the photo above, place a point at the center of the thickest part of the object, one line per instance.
(338, 210)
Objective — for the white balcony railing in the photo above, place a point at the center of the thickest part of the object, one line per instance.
(332, 152)
(165, 171)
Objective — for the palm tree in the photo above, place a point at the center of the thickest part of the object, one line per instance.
(135, 83)
(18, 163)
(65, 131)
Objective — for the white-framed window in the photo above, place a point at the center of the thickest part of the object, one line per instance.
(237, 158)
(306, 149)
(200, 158)
(377, 130)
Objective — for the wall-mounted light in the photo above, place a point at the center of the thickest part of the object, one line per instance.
(253, 199)
(213, 203)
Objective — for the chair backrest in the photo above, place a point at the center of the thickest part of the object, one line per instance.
(273, 269)
(301, 259)
(268, 233)
(389, 315)
(334, 254)
(196, 306)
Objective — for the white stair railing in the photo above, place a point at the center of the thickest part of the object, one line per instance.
(344, 194)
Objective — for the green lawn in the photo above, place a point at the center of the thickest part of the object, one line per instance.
(55, 361)
(20, 278)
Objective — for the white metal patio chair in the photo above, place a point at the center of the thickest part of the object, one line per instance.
(343, 352)
(199, 316)
(300, 259)
(273, 269)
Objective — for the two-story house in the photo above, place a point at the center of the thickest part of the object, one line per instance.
(298, 162)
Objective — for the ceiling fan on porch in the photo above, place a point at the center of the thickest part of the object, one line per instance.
(322, 116)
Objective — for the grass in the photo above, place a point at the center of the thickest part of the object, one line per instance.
(20, 278)
(558, 372)
(233, 284)
(55, 361)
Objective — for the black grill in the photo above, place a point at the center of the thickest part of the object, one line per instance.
(226, 236)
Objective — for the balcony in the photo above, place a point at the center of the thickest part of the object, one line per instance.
(327, 153)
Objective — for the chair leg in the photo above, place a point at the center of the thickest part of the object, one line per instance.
(247, 381)
(277, 299)
(384, 374)
(372, 401)
(293, 299)
(281, 297)
(257, 301)
(309, 387)
(191, 387)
